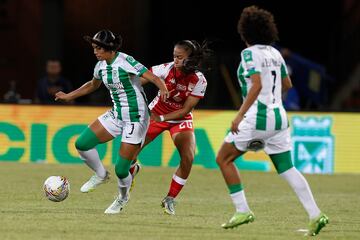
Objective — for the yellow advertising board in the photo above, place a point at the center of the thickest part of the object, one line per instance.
(322, 142)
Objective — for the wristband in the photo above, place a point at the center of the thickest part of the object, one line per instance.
(161, 118)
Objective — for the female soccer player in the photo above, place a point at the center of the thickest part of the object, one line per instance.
(186, 85)
(261, 121)
(129, 116)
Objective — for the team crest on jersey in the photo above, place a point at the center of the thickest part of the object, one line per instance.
(247, 56)
(172, 81)
(130, 59)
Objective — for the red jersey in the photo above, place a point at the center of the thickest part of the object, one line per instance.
(180, 86)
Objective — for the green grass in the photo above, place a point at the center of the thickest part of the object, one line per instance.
(201, 207)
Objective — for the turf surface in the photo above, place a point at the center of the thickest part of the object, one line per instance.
(201, 207)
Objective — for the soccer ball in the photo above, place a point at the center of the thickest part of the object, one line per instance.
(56, 188)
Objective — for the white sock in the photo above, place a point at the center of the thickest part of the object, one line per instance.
(240, 202)
(179, 180)
(124, 185)
(92, 159)
(302, 190)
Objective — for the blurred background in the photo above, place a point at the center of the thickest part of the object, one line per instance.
(320, 44)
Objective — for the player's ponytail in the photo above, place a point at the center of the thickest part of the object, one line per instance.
(198, 53)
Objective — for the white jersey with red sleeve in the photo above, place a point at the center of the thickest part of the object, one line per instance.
(180, 86)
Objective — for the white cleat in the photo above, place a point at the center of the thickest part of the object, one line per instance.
(93, 182)
(118, 205)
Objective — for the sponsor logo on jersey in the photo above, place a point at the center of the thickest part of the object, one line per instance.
(138, 67)
(174, 104)
(114, 86)
(180, 87)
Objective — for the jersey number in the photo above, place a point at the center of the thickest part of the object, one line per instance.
(273, 73)
(185, 125)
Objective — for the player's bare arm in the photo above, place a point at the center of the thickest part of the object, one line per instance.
(85, 89)
(149, 76)
(188, 106)
(143, 81)
(286, 84)
(249, 100)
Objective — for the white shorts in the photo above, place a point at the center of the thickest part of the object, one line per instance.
(132, 132)
(272, 141)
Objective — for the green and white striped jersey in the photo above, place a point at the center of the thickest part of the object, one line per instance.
(267, 111)
(121, 77)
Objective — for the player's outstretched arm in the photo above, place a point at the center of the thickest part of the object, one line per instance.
(164, 93)
(85, 89)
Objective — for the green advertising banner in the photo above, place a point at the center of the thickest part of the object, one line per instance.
(322, 143)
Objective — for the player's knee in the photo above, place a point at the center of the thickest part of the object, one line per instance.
(219, 160)
(81, 145)
(122, 167)
(87, 140)
(187, 158)
(121, 172)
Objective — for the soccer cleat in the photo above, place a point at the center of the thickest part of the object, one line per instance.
(93, 182)
(317, 224)
(239, 219)
(168, 204)
(118, 205)
(134, 169)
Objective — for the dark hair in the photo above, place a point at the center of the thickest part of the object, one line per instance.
(106, 39)
(257, 26)
(197, 54)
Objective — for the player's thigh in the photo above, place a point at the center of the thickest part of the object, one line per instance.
(242, 138)
(185, 143)
(132, 138)
(155, 129)
(176, 128)
(100, 131)
(107, 126)
(228, 153)
(129, 151)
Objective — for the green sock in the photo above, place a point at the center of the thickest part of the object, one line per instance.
(122, 167)
(282, 161)
(233, 188)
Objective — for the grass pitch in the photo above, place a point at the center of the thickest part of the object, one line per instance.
(201, 207)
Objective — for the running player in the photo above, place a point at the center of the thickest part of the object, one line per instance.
(261, 122)
(129, 116)
(186, 85)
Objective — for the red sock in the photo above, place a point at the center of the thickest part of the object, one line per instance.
(134, 168)
(176, 185)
